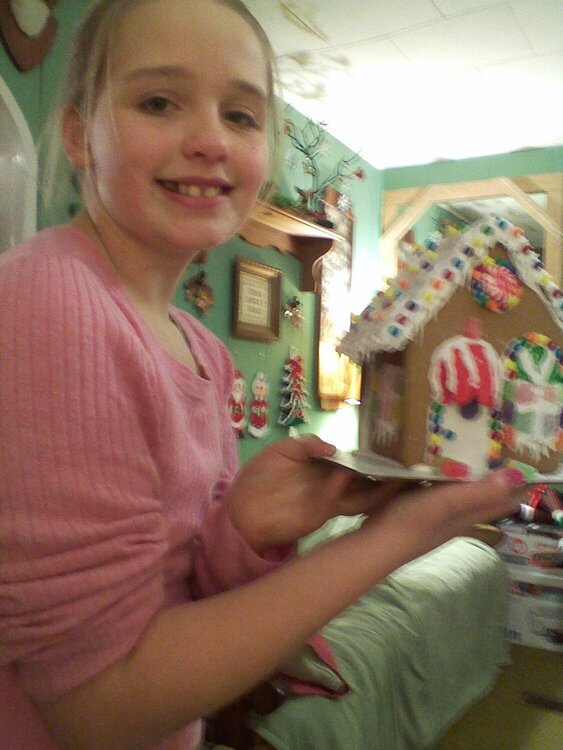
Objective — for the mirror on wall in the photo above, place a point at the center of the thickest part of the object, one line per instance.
(18, 173)
(460, 213)
(534, 203)
(508, 208)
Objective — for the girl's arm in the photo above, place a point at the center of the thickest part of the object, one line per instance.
(195, 658)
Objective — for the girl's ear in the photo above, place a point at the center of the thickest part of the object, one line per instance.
(74, 139)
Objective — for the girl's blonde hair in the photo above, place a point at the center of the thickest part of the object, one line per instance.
(87, 72)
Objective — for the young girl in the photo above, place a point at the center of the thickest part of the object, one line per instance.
(134, 598)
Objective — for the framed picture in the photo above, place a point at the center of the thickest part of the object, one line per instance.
(256, 309)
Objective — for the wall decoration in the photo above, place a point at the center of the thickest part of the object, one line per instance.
(310, 142)
(237, 404)
(293, 312)
(256, 309)
(28, 30)
(199, 293)
(294, 402)
(258, 425)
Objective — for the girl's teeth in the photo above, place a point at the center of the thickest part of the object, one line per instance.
(194, 191)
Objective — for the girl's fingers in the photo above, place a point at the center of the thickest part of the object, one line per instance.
(366, 496)
(495, 496)
(305, 446)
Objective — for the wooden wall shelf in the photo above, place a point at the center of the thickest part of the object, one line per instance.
(272, 226)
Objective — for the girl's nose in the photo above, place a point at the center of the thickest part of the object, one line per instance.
(206, 136)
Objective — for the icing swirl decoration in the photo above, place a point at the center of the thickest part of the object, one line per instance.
(495, 285)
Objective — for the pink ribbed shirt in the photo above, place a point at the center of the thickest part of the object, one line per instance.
(114, 460)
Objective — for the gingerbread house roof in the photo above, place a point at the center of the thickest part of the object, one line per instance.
(428, 277)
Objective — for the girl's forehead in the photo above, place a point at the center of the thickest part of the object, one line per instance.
(179, 30)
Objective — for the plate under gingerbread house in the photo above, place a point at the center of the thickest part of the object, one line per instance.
(463, 357)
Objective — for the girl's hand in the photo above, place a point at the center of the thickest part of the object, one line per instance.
(445, 510)
(282, 495)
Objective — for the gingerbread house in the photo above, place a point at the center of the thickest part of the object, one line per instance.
(463, 356)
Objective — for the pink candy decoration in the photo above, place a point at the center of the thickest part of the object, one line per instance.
(454, 469)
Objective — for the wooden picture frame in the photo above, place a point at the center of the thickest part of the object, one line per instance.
(256, 306)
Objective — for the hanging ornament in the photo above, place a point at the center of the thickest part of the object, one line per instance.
(237, 404)
(343, 203)
(199, 293)
(293, 312)
(294, 403)
(28, 29)
(259, 407)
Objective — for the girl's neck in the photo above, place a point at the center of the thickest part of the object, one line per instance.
(147, 280)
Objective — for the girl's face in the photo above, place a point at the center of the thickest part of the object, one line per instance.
(178, 144)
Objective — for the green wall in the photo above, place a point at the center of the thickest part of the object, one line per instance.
(36, 89)
(515, 164)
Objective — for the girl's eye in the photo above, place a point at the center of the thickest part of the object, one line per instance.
(243, 119)
(156, 105)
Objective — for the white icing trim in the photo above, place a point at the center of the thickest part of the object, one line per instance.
(538, 373)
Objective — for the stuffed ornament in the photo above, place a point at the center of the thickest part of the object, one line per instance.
(237, 405)
(28, 30)
(294, 404)
(259, 407)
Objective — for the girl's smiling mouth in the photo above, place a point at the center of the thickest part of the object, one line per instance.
(195, 189)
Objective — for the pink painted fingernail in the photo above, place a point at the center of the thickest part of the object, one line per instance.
(514, 477)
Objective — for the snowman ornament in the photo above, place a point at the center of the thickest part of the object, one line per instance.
(259, 407)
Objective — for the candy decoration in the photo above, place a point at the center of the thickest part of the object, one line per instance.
(543, 498)
(465, 382)
(495, 286)
(464, 369)
(532, 407)
(454, 469)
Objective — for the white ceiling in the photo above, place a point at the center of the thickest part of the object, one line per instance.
(408, 82)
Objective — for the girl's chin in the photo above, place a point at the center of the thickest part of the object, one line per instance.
(195, 241)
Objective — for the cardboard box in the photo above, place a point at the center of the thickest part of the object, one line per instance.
(531, 544)
(535, 608)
